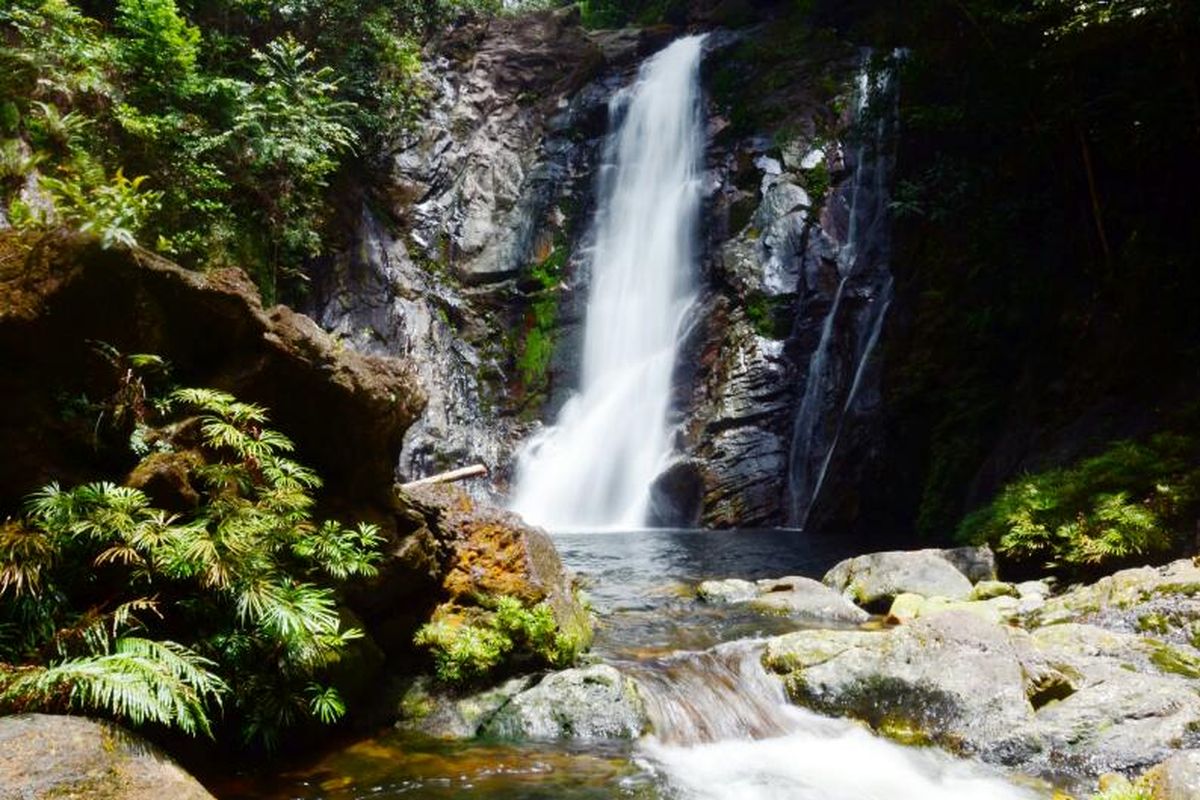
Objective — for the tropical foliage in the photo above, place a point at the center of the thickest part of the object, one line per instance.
(230, 119)
(1132, 501)
(1047, 263)
(224, 611)
(508, 634)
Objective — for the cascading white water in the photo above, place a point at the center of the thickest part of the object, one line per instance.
(594, 467)
(723, 729)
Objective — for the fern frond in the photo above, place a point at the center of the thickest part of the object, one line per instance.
(140, 681)
(24, 554)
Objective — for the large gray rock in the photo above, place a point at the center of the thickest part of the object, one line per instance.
(1069, 700)
(876, 578)
(977, 563)
(951, 679)
(1127, 599)
(804, 597)
(792, 595)
(728, 590)
(595, 702)
(46, 756)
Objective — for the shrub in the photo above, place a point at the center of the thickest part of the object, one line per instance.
(1131, 501)
(502, 637)
(113, 211)
(113, 606)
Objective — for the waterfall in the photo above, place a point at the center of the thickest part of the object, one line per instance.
(594, 467)
(840, 364)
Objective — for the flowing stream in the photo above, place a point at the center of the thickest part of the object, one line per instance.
(722, 727)
(594, 467)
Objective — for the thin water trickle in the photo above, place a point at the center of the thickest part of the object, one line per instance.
(839, 365)
(594, 467)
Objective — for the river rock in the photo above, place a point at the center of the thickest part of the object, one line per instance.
(445, 715)
(1126, 600)
(805, 597)
(952, 679)
(875, 579)
(910, 606)
(792, 595)
(986, 590)
(977, 563)
(1177, 778)
(595, 702)
(729, 590)
(1071, 700)
(493, 552)
(47, 756)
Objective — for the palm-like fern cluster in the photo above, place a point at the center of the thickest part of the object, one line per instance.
(1133, 500)
(226, 611)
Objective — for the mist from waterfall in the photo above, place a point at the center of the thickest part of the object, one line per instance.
(593, 468)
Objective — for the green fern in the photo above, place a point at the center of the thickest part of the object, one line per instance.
(139, 681)
(248, 573)
(1128, 502)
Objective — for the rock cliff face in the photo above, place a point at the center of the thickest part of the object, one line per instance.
(464, 257)
(471, 257)
(59, 295)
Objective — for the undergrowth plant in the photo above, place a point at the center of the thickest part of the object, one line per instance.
(1132, 501)
(507, 634)
(226, 612)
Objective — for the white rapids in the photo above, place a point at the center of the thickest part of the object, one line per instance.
(823, 759)
(593, 468)
(725, 731)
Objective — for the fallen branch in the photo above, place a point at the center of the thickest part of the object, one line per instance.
(462, 473)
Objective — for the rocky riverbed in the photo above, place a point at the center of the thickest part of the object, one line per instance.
(1073, 687)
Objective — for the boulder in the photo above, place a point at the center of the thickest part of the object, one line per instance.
(426, 709)
(977, 563)
(48, 756)
(494, 552)
(1126, 599)
(986, 590)
(346, 412)
(804, 597)
(1177, 778)
(729, 590)
(595, 702)
(952, 679)
(874, 580)
(910, 606)
(1070, 701)
(792, 595)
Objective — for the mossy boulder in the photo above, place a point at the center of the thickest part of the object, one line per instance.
(874, 580)
(1069, 701)
(1176, 778)
(494, 553)
(595, 702)
(48, 756)
(1119, 600)
(432, 710)
(954, 679)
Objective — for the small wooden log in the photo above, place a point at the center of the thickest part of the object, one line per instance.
(462, 473)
